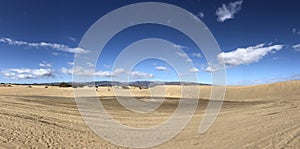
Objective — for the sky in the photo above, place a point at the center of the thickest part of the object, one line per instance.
(259, 41)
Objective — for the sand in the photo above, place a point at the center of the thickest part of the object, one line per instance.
(262, 116)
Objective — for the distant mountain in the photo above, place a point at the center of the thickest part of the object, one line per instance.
(142, 84)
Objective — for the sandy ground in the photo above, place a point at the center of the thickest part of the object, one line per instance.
(263, 116)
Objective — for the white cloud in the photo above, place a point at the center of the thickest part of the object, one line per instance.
(200, 14)
(73, 50)
(228, 11)
(194, 70)
(70, 63)
(54, 46)
(21, 70)
(247, 55)
(181, 54)
(26, 73)
(188, 60)
(161, 68)
(90, 64)
(180, 46)
(211, 68)
(297, 47)
(294, 30)
(241, 56)
(45, 64)
(67, 71)
(42, 72)
(118, 71)
(72, 39)
(85, 72)
(140, 75)
(197, 55)
(55, 53)
(103, 74)
(184, 55)
(107, 66)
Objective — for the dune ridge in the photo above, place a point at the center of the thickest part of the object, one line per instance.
(288, 90)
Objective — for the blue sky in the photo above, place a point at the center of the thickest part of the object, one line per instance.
(259, 40)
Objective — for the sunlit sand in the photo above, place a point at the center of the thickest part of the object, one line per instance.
(262, 116)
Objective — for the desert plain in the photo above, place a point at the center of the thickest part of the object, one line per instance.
(259, 116)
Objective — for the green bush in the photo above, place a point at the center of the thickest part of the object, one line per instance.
(125, 87)
(63, 84)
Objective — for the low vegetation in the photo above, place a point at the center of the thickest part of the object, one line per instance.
(64, 84)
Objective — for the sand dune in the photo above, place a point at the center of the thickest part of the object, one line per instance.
(277, 91)
(262, 116)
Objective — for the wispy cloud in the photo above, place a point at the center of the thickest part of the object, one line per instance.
(67, 71)
(297, 47)
(200, 14)
(106, 66)
(90, 64)
(184, 55)
(85, 72)
(70, 63)
(161, 68)
(181, 54)
(46, 45)
(289, 78)
(140, 75)
(118, 71)
(45, 64)
(180, 46)
(197, 55)
(26, 73)
(270, 80)
(55, 53)
(188, 60)
(194, 69)
(295, 31)
(72, 39)
(211, 68)
(228, 11)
